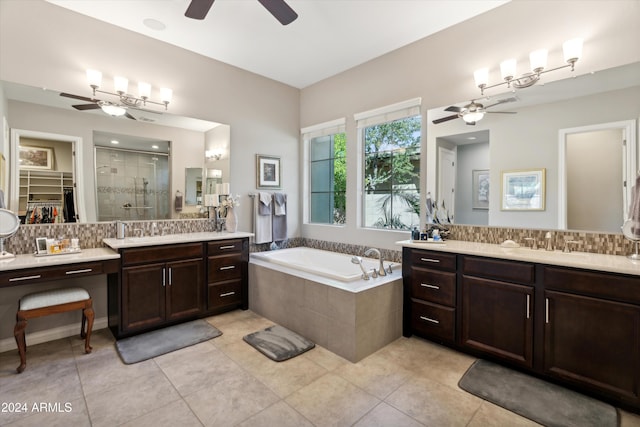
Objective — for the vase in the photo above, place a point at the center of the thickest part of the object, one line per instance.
(231, 220)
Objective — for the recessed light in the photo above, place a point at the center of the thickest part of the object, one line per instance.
(154, 24)
(155, 147)
(471, 138)
(113, 141)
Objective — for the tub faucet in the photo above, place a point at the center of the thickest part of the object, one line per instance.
(370, 251)
(358, 260)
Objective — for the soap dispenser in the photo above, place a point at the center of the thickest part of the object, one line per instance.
(549, 245)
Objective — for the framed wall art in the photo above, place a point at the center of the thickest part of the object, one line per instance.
(35, 157)
(267, 172)
(523, 190)
(480, 189)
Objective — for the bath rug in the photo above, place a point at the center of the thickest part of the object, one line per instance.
(278, 343)
(540, 401)
(156, 343)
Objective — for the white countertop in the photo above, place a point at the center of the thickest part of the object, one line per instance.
(586, 260)
(32, 261)
(170, 239)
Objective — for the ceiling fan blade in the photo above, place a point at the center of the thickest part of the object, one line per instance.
(502, 101)
(129, 116)
(445, 119)
(501, 112)
(83, 107)
(454, 109)
(198, 9)
(81, 98)
(280, 10)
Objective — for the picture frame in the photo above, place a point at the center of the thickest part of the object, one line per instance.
(35, 157)
(267, 172)
(41, 245)
(523, 190)
(480, 186)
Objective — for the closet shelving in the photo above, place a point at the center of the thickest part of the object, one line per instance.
(43, 186)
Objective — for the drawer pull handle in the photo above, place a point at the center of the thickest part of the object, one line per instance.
(17, 279)
(528, 306)
(429, 285)
(85, 270)
(429, 319)
(546, 310)
(430, 260)
(228, 247)
(227, 294)
(164, 277)
(228, 267)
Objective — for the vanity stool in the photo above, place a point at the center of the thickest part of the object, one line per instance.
(51, 302)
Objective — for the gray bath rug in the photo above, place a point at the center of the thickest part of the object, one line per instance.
(533, 398)
(151, 344)
(278, 343)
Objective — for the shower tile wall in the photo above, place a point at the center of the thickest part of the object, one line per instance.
(131, 185)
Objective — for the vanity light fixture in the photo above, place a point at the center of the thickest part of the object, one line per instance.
(213, 155)
(572, 50)
(121, 86)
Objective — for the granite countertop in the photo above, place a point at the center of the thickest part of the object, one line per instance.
(31, 261)
(170, 239)
(585, 260)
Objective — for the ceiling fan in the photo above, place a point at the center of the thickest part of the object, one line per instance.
(108, 107)
(474, 111)
(198, 9)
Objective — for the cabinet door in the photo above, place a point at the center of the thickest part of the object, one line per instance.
(593, 342)
(497, 319)
(184, 288)
(143, 297)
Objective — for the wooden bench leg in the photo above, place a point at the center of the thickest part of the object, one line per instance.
(89, 315)
(18, 332)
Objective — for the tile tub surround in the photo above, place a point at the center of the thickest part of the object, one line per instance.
(350, 324)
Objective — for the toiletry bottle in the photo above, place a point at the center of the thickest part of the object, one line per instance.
(415, 234)
(120, 225)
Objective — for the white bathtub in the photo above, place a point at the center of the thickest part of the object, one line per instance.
(332, 265)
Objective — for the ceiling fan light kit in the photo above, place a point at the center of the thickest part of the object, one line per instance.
(572, 51)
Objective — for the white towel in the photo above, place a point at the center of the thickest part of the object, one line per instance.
(280, 217)
(261, 223)
(634, 208)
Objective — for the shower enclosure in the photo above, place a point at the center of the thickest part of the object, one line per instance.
(131, 185)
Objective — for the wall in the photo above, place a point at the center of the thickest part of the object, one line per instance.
(439, 69)
(470, 157)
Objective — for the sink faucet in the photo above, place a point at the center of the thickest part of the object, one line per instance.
(370, 251)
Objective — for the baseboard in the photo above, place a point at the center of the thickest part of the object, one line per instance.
(51, 334)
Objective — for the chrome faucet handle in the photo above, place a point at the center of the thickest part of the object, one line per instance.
(567, 249)
(374, 273)
(534, 245)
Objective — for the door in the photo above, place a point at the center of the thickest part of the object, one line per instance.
(593, 342)
(143, 296)
(184, 288)
(497, 318)
(446, 181)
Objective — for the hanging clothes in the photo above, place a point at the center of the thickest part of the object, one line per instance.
(69, 208)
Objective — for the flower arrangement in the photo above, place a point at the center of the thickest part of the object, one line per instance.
(230, 201)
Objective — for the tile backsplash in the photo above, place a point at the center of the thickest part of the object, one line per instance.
(91, 235)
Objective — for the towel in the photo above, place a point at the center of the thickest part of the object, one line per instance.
(261, 223)
(634, 209)
(178, 202)
(264, 206)
(280, 217)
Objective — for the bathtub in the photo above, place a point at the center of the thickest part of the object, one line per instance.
(321, 295)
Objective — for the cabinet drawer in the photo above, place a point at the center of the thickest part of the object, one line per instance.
(161, 253)
(434, 286)
(510, 271)
(433, 259)
(35, 275)
(225, 267)
(433, 320)
(224, 294)
(225, 246)
(611, 286)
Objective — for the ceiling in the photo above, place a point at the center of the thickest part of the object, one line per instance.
(329, 36)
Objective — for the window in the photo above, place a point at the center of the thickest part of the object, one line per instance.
(391, 171)
(327, 173)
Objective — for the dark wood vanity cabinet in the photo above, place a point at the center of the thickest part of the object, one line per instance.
(497, 308)
(578, 327)
(160, 285)
(227, 277)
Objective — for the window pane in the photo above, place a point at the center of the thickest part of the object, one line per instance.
(321, 148)
(321, 175)
(321, 208)
(328, 179)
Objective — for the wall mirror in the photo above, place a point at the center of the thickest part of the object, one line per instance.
(45, 111)
(193, 187)
(535, 138)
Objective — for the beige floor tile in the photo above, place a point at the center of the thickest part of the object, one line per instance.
(173, 414)
(629, 419)
(230, 401)
(446, 368)
(384, 415)
(100, 338)
(490, 415)
(61, 414)
(323, 357)
(279, 414)
(412, 353)
(130, 400)
(219, 320)
(432, 403)
(234, 331)
(332, 400)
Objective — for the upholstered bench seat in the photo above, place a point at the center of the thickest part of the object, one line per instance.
(52, 302)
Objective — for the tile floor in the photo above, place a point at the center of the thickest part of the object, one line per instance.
(225, 382)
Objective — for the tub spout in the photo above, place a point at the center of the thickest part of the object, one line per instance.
(358, 260)
(370, 251)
